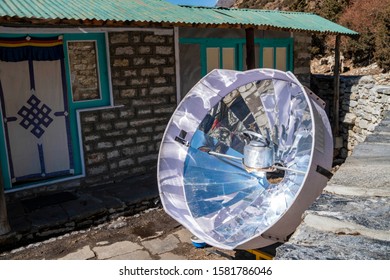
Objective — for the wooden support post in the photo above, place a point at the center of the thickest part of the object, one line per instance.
(250, 48)
(4, 225)
(336, 88)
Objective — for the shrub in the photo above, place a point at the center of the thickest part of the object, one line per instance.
(369, 19)
(382, 41)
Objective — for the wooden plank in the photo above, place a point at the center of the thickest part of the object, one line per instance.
(336, 88)
(250, 48)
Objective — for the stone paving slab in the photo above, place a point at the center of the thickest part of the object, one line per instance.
(349, 247)
(136, 255)
(112, 204)
(184, 235)
(372, 151)
(171, 256)
(47, 217)
(369, 173)
(357, 191)
(116, 249)
(160, 246)
(344, 227)
(20, 224)
(84, 207)
(15, 210)
(370, 212)
(84, 253)
(327, 238)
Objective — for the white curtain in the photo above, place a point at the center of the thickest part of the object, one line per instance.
(35, 120)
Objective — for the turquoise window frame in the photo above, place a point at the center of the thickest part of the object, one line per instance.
(238, 44)
(205, 43)
(4, 169)
(74, 106)
(221, 44)
(287, 43)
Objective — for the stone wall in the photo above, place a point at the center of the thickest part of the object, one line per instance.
(302, 43)
(125, 141)
(363, 103)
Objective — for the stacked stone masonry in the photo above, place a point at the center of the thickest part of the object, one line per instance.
(364, 101)
(302, 58)
(124, 141)
(83, 68)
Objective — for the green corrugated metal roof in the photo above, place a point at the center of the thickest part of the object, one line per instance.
(265, 18)
(118, 10)
(160, 11)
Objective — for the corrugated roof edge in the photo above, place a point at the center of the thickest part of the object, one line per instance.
(194, 16)
(338, 29)
(242, 9)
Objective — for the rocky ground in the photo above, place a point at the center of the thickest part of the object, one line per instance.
(324, 65)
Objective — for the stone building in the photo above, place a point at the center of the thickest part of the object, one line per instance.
(87, 91)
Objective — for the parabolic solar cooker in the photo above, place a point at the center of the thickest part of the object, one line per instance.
(243, 156)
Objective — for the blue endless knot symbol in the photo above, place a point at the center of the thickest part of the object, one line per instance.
(35, 116)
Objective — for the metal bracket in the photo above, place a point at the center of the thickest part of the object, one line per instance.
(324, 172)
(281, 239)
(181, 138)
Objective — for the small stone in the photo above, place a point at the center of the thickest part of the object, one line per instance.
(349, 118)
(117, 225)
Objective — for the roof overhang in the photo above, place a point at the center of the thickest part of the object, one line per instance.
(157, 13)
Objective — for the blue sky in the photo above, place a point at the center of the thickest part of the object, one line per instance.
(194, 2)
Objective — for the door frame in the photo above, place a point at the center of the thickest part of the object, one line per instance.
(106, 101)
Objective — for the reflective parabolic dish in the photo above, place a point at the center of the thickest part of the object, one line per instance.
(204, 179)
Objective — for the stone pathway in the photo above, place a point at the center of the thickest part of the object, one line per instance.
(351, 219)
(127, 250)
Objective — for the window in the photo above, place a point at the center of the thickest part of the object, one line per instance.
(276, 54)
(83, 66)
(213, 58)
(268, 57)
(87, 80)
(281, 58)
(229, 58)
(228, 53)
(87, 70)
(221, 57)
(198, 56)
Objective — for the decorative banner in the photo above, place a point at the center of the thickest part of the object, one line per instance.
(35, 109)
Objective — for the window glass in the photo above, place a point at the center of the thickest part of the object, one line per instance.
(83, 70)
(281, 58)
(228, 58)
(268, 57)
(212, 59)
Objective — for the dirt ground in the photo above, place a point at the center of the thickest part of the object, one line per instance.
(154, 223)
